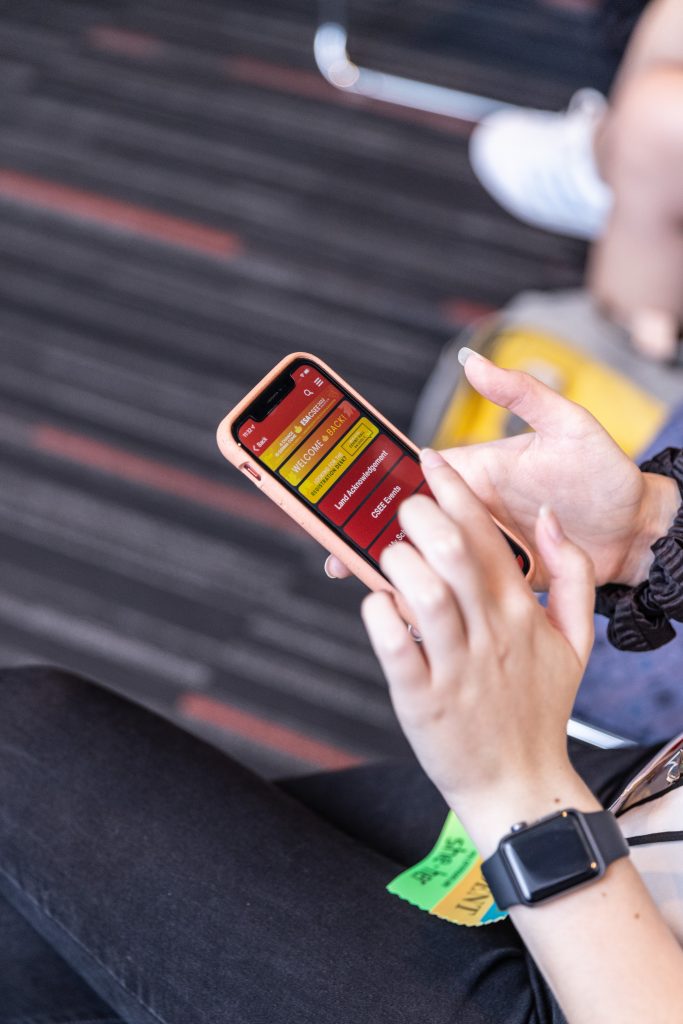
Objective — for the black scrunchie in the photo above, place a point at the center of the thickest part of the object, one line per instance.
(639, 616)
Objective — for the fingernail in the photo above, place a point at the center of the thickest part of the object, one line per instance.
(415, 633)
(330, 575)
(431, 459)
(465, 353)
(552, 523)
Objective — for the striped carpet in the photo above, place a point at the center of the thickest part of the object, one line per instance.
(183, 200)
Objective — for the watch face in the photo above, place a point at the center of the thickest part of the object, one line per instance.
(551, 856)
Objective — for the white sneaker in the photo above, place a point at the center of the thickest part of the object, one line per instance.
(541, 168)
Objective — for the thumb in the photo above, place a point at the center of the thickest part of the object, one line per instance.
(335, 569)
(538, 405)
(571, 590)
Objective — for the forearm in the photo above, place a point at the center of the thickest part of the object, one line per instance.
(606, 952)
(484, 701)
(604, 948)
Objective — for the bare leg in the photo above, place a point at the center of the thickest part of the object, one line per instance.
(636, 270)
(657, 40)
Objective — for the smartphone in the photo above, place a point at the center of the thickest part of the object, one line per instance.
(331, 461)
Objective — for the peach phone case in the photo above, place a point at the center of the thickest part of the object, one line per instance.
(268, 485)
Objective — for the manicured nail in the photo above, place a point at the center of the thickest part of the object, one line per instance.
(465, 353)
(431, 459)
(326, 567)
(552, 523)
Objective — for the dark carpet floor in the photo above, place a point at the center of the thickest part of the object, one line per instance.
(183, 200)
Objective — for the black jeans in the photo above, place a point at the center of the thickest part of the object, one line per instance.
(146, 877)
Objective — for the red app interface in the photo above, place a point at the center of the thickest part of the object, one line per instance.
(338, 459)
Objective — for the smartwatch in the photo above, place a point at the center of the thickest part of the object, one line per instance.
(554, 854)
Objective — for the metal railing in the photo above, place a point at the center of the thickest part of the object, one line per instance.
(332, 57)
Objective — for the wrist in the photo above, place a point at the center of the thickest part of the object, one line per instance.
(658, 508)
(491, 816)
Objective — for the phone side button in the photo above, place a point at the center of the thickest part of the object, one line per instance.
(247, 467)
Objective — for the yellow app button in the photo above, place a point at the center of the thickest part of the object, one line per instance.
(339, 460)
(319, 443)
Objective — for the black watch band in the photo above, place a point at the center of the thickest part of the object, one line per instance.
(530, 874)
(500, 882)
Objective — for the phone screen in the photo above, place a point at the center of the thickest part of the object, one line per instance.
(328, 449)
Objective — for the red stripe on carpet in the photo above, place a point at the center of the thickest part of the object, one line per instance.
(311, 84)
(573, 5)
(465, 311)
(121, 40)
(295, 81)
(267, 734)
(113, 213)
(141, 470)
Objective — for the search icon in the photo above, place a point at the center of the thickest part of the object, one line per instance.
(308, 393)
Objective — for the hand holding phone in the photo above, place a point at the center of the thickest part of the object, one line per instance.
(331, 461)
(474, 699)
(611, 509)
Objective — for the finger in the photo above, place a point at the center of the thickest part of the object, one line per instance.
(463, 506)
(571, 593)
(435, 611)
(538, 405)
(402, 660)
(445, 548)
(334, 569)
(654, 333)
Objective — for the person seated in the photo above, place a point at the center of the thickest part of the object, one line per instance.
(610, 172)
(179, 887)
